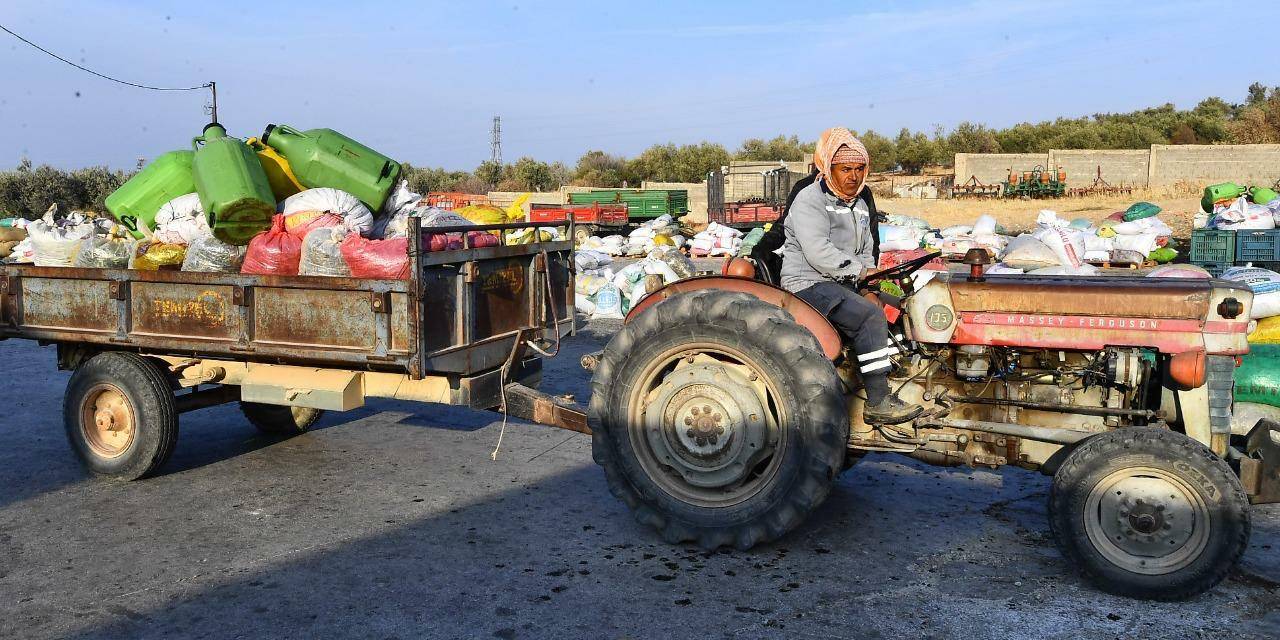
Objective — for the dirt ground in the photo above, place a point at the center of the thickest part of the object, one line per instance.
(1019, 215)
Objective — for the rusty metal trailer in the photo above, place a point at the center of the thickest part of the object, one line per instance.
(467, 327)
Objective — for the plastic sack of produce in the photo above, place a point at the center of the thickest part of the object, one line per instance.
(1081, 224)
(1179, 271)
(608, 303)
(1143, 243)
(109, 250)
(676, 261)
(907, 221)
(749, 241)
(377, 259)
(1126, 256)
(1163, 255)
(181, 220)
(587, 259)
(211, 255)
(322, 253)
(1243, 215)
(301, 224)
(1265, 285)
(153, 255)
(21, 253)
(55, 244)
(1067, 245)
(7, 246)
(354, 213)
(957, 230)
(583, 304)
(588, 284)
(526, 236)
(1064, 270)
(1028, 252)
(1267, 331)
(400, 201)
(985, 226)
(274, 252)
(1140, 210)
(1003, 270)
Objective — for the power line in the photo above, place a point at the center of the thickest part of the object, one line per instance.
(102, 75)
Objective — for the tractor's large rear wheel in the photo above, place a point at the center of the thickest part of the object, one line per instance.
(717, 418)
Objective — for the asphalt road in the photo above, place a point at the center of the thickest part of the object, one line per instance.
(392, 521)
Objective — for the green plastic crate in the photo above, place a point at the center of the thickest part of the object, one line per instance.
(1213, 246)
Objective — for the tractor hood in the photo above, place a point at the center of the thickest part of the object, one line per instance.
(1171, 314)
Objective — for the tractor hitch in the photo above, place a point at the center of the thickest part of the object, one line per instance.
(1260, 466)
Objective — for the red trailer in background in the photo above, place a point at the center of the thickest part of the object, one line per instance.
(590, 218)
(752, 214)
(453, 201)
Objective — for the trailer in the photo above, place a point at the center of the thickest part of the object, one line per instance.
(589, 219)
(752, 211)
(468, 327)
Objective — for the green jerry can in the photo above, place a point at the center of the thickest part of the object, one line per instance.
(1219, 192)
(326, 158)
(1262, 195)
(162, 180)
(233, 188)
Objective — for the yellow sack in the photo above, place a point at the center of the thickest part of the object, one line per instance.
(149, 255)
(663, 240)
(525, 236)
(483, 214)
(1106, 232)
(515, 212)
(1268, 331)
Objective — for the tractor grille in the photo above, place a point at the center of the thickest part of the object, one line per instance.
(1220, 374)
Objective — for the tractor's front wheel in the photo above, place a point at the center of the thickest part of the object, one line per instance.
(1148, 513)
(717, 418)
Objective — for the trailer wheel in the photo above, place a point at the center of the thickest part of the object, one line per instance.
(120, 416)
(1149, 513)
(717, 418)
(280, 420)
(583, 231)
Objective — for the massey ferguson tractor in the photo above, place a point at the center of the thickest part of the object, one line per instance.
(725, 408)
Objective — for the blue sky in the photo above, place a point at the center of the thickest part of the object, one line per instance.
(422, 81)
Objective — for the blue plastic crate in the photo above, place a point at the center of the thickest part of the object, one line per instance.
(1213, 246)
(1262, 245)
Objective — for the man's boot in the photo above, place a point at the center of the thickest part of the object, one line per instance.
(890, 410)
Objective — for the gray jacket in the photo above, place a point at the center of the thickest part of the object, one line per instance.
(826, 239)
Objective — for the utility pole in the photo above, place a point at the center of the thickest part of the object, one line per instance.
(495, 141)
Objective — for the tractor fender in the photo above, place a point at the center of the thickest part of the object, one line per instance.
(804, 313)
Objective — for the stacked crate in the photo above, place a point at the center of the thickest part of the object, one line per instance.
(1217, 250)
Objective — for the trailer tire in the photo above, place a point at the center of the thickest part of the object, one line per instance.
(120, 416)
(1119, 496)
(582, 232)
(649, 462)
(280, 420)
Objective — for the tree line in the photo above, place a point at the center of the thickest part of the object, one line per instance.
(28, 191)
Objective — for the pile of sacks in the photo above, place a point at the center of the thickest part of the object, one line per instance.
(659, 232)
(317, 232)
(605, 293)
(716, 240)
(1058, 247)
(957, 240)
(1245, 213)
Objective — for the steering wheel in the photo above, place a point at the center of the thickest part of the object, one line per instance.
(899, 271)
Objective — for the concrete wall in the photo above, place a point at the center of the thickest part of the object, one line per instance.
(697, 198)
(994, 167)
(1120, 167)
(1202, 165)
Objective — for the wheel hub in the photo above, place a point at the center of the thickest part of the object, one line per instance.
(708, 423)
(1147, 521)
(107, 420)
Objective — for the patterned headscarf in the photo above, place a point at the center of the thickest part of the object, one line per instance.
(837, 145)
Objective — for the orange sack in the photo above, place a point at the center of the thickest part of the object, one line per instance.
(377, 259)
(274, 252)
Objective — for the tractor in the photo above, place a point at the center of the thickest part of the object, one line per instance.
(725, 408)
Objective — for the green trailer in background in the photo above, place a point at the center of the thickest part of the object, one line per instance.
(642, 204)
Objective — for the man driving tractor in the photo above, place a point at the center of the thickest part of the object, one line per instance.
(828, 240)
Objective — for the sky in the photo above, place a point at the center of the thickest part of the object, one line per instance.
(422, 81)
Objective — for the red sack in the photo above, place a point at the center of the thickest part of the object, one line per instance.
(274, 252)
(453, 241)
(1117, 216)
(377, 259)
(300, 224)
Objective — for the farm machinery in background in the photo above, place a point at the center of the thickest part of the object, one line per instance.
(1036, 183)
